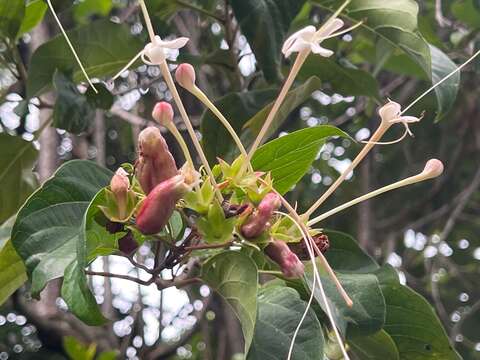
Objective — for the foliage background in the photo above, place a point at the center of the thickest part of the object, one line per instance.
(427, 232)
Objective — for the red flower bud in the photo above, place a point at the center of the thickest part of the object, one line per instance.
(258, 221)
(289, 263)
(185, 75)
(158, 206)
(163, 113)
(155, 163)
(119, 186)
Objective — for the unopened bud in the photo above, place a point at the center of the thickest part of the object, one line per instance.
(163, 113)
(158, 206)
(259, 220)
(155, 163)
(289, 263)
(185, 75)
(321, 241)
(433, 168)
(119, 186)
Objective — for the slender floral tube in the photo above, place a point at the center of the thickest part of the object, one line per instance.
(155, 163)
(158, 206)
(288, 261)
(257, 223)
(119, 186)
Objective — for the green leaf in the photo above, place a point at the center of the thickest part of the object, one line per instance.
(289, 157)
(367, 315)
(102, 99)
(237, 108)
(346, 256)
(279, 312)
(378, 346)
(411, 322)
(86, 8)
(234, 276)
(78, 296)
(34, 13)
(447, 92)
(72, 111)
(345, 80)
(265, 24)
(49, 224)
(77, 350)
(13, 273)
(395, 21)
(294, 98)
(108, 355)
(11, 16)
(97, 240)
(216, 228)
(467, 11)
(17, 159)
(103, 47)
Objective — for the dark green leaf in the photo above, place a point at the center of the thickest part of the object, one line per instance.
(367, 315)
(378, 346)
(289, 157)
(17, 159)
(234, 276)
(13, 273)
(87, 8)
(78, 296)
(345, 80)
(467, 11)
(279, 312)
(237, 108)
(11, 16)
(103, 99)
(447, 92)
(103, 47)
(72, 111)
(346, 256)
(411, 322)
(294, 98)
(265, 24)
(34, 12)
(49, 224)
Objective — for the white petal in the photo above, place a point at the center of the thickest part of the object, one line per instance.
(308, 30)
(389, 111)
(410, 119)
(317, 49)
(330, 28)
(175, 44)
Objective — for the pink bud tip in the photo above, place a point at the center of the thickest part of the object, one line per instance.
(120, 182)
(185, 75)
(289, 263)
(163, 113)
(433, 168)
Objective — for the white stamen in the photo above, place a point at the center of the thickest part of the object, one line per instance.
(67, 39)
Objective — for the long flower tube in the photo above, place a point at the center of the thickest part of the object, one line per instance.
(432, 169)
(158, 58)
(185, 76)
(298, 43)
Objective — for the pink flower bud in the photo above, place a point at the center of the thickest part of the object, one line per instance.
(155, 163)
(433, 168)
(158, 206)
(289, 263)
(163, 113)
(185, 75)
(258, 221)
(119, 186)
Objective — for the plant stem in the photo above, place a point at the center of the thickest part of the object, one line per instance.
(208, 246)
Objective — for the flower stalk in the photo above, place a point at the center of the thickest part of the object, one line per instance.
(432, 169)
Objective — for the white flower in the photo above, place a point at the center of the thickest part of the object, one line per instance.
(391, 112)
(310, 38)
(155, 51)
